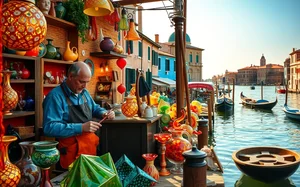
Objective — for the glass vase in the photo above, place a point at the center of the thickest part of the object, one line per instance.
(51, 50)
(60, 10)
(150, 167)
(10, 96)
(45, 155)
(9, 174)
(129, 107)
(30, 173)
(174, 149)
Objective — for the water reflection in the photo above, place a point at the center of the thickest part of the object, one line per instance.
(247, 127)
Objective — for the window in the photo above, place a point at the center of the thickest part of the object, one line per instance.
(167, 65)
(129, 79)
(174, 65)
(191, 57)
(159, 61)
(154, 58)
(197, 58)
(140, 49)
(129, 47)
(149, 53)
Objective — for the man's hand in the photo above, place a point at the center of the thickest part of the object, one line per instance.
(110, 115)
(90, 126)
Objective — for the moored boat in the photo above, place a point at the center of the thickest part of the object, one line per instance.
(292, 113)
(224, 104)
(258, 104)
(252, 87)
(280, 90)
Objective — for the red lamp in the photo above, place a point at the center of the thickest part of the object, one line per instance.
(121, 89)
(121, 63)
(23, 25)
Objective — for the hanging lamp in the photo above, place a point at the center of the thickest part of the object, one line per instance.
(23, 25)
(123, 24)
(98, 7)
(132, 34)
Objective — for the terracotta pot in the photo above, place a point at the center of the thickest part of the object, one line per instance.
(10, 96)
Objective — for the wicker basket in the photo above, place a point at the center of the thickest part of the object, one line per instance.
(23, 130)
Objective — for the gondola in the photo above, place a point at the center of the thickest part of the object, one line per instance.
(257, 104)
(252, 87)
(292, 113)
(224, 104)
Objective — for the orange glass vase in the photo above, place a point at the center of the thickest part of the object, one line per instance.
(70, 54)
(150, 167)
(129, 107)
(10, 96)
(9, 175)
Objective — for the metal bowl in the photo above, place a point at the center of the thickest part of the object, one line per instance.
(266, 164)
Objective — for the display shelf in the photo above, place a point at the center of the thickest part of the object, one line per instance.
(6, 55)
(50, 85)
(21, 81)
(57, 61)
(59, 22)
(26, 136)
(16, 114)
(107, 55)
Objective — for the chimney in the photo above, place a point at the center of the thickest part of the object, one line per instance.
(140, 18)
(294, 49)
(157, 38)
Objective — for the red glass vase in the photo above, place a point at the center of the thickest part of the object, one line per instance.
(150, 167)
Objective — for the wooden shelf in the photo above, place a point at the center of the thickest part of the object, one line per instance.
(107, 55)
(16, 114)
(21, 81)
(57, 61)
(6, 55)
(26, 136)
(59, 22)
(50, 85)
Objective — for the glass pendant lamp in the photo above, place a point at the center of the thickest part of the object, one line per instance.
(98, 7)
(123, 24)
(132, 33)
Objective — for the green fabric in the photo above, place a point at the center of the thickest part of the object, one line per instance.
(92, 171)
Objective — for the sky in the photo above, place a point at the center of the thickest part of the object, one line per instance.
(233, 33)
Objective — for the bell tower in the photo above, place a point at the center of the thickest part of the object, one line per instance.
(262, 60)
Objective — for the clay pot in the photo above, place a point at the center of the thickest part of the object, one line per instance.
(107, 44)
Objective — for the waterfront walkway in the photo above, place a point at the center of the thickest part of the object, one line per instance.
(213, 179)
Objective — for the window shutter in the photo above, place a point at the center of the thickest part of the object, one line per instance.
(140, 49)
(149, 52)
(129, 79)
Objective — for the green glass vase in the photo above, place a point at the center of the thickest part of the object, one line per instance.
(60, 10)
(51, 50)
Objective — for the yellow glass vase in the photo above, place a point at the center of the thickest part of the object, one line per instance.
(70, 54)
(129, 107)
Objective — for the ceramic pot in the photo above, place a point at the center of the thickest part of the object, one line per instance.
(10, 175)
(129, 107)
(10, 96)
(150, 167)
(45, 154)
(33, 52)
(51, 50)
(107, 44)
(60, 10)
(70, 54)
(30, 173)
(25, 73)
(58, 54)
(29, 106)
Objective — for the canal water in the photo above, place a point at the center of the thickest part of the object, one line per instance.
(248, 127)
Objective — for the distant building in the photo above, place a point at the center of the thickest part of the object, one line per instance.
(294, 70)
(286, 70)
(247, 75)
(230, 76)
(262, 60)
(270, 74)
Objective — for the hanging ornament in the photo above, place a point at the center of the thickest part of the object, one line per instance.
(24, 26)
(121, 88)
(121, 62)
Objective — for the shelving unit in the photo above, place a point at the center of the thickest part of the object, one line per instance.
(107, 55)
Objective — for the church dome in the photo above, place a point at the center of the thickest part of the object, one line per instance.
(172, 38)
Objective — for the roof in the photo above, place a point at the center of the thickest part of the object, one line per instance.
(172, 38)
(165, 54)
(169, 82)
(296, 51)
(250, 68)
(273, 66)
(148, 39)
(193, 47)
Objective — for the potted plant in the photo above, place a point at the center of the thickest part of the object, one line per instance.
(75, 15)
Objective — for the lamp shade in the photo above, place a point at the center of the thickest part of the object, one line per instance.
(121, 63)
(23, 25)
(121, 89)
(123, 24)
(132, 34)
(98, 7)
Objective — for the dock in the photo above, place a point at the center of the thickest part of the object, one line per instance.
(214, 178)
